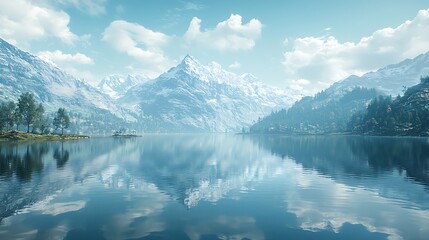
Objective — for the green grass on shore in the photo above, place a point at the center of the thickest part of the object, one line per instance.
(19, 135)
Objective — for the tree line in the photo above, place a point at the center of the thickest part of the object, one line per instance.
(384, 115)
(31, 114)
(318, 114)
(406, 115)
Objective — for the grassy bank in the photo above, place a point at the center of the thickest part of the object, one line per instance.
(22, 136)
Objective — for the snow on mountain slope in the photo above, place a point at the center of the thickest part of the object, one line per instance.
(194, 97)
(22, 72)
(117, 85)
(389, 80)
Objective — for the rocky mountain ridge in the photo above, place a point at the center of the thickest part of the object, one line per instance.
(195, 97)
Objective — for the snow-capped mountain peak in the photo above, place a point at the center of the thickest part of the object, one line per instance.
(212, 72)
(189, 65)
(197, 97)
(117, 85)
(189, 97)
(190, 61)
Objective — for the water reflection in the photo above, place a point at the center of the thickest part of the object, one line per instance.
(356, 180)
(215, 187)
(61, 156)
(203, 167)
(403, 154)
(31, 174)
(358, 156)
(21, 160)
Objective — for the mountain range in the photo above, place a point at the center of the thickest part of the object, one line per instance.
(190, 97)
(331, 109)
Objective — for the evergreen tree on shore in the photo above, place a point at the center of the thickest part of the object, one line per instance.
(7, 115)
(62, 120)
(28, 109)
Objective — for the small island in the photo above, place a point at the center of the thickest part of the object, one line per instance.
(123, 133)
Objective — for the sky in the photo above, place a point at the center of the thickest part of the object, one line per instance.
(302, 45)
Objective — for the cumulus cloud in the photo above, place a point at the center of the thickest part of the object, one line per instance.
(138, 42)
(314, 63)
(92, 7)
(230, 34)
(235, 65)
(60, 58)
(22, 21)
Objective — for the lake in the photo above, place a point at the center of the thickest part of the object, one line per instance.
(216, 186)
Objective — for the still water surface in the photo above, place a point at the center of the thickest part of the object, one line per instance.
(216, 187)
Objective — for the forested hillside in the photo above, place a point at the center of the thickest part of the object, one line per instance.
(318, 114)
(406, 115)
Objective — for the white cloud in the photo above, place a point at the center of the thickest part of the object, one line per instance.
(323, 60)
(60, 58)
(22, 21)
(300, 85)
(235, 65)
(92, 7)
(138, 42)
(231, 34)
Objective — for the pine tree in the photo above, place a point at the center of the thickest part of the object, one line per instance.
(39, 119)
(17, 118)
(10, 114)
(27, 109)
(62, 120)
(7, 111)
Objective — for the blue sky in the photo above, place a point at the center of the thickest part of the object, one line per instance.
(305, 45)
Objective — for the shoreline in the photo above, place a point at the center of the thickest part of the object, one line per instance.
(23, 136)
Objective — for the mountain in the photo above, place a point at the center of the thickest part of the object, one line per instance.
(330, 110)
(117, 85)
(22, 72)
(389, 80)
(406, 115)
(193, 97)
(189, 97)
(304, 118)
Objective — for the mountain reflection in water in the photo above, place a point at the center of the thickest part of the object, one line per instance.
(216, 187)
